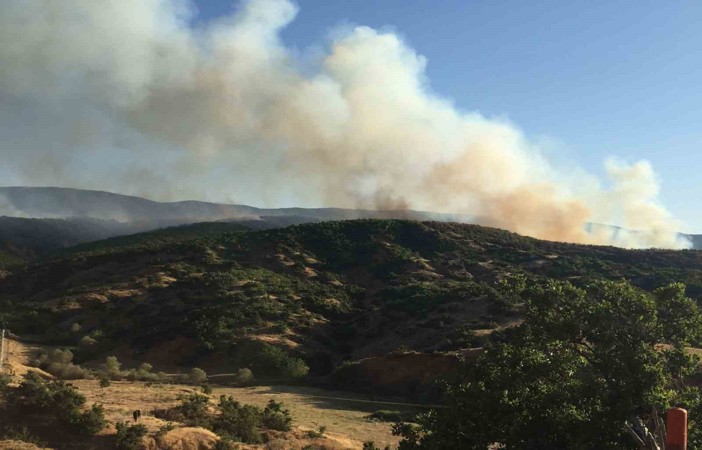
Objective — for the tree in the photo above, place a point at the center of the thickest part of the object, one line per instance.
(583, 362)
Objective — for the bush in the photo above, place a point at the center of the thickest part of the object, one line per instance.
(206, 389)
(295, 368)
(104, 382)
(197, 376)
(129, 437)
(237, 420)
(244, 377)
(193, 411)
(162, 377)
(92, 421)
(274, 417)
(317, 434)
(112, 367)
(60, 364)
(59, 399)
(277, 362)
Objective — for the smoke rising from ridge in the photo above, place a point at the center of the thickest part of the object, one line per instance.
(126, 95)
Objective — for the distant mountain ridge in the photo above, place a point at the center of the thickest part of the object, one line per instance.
(54, 202)
(114, 214)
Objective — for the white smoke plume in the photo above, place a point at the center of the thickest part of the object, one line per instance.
(127, 95)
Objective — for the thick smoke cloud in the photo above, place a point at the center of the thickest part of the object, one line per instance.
(127, 95)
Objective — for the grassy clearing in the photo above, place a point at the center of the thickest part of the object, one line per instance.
(310, 408)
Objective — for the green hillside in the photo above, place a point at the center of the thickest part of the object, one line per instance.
(325, 293)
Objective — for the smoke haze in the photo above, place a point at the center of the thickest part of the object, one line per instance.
(126, 95)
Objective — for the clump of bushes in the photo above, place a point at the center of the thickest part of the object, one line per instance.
(57, 399)
(230, 419)
(60, 364)
(112, 369)
(271, 361)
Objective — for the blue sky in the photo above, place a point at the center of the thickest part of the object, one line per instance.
(597, 78)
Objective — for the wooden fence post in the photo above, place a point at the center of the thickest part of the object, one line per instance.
(676, 429)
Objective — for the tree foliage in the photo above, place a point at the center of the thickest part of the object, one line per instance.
(583, 362)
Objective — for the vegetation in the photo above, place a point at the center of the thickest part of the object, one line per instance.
(584, 361)
(59, 402)
(576, 339)
(129, 437)
(60, 364)
(337, 289)
(230, 419)
(197, 376)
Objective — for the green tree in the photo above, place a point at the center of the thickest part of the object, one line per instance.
(583, 362)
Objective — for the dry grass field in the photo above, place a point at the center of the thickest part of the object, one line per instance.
(344, 415)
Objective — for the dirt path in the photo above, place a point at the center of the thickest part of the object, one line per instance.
(17, 357)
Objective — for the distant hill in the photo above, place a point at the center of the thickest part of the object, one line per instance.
(143, 214)
(52, 202)
(24, 239)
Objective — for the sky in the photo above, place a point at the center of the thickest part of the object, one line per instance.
(586, 79)
(539, 117)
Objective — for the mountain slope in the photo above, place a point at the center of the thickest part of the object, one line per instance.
(220, 296)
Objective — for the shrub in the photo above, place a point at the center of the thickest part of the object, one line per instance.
(206, 389)
(193, 410)
(92, 421)
(319, 433)
(129, 437)
(59, 399)
(237, 420)
(162, 377)
(112, 367)
(274, 417)
(104, 381)
(60, 364)
(277, 362)
(244, 377)
(295, 368)
(197, 376)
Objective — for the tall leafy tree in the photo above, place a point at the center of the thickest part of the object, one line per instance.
(583, 361)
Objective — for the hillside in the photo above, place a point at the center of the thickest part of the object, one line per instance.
(220, 296)
(24, 239)
(54, 202)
